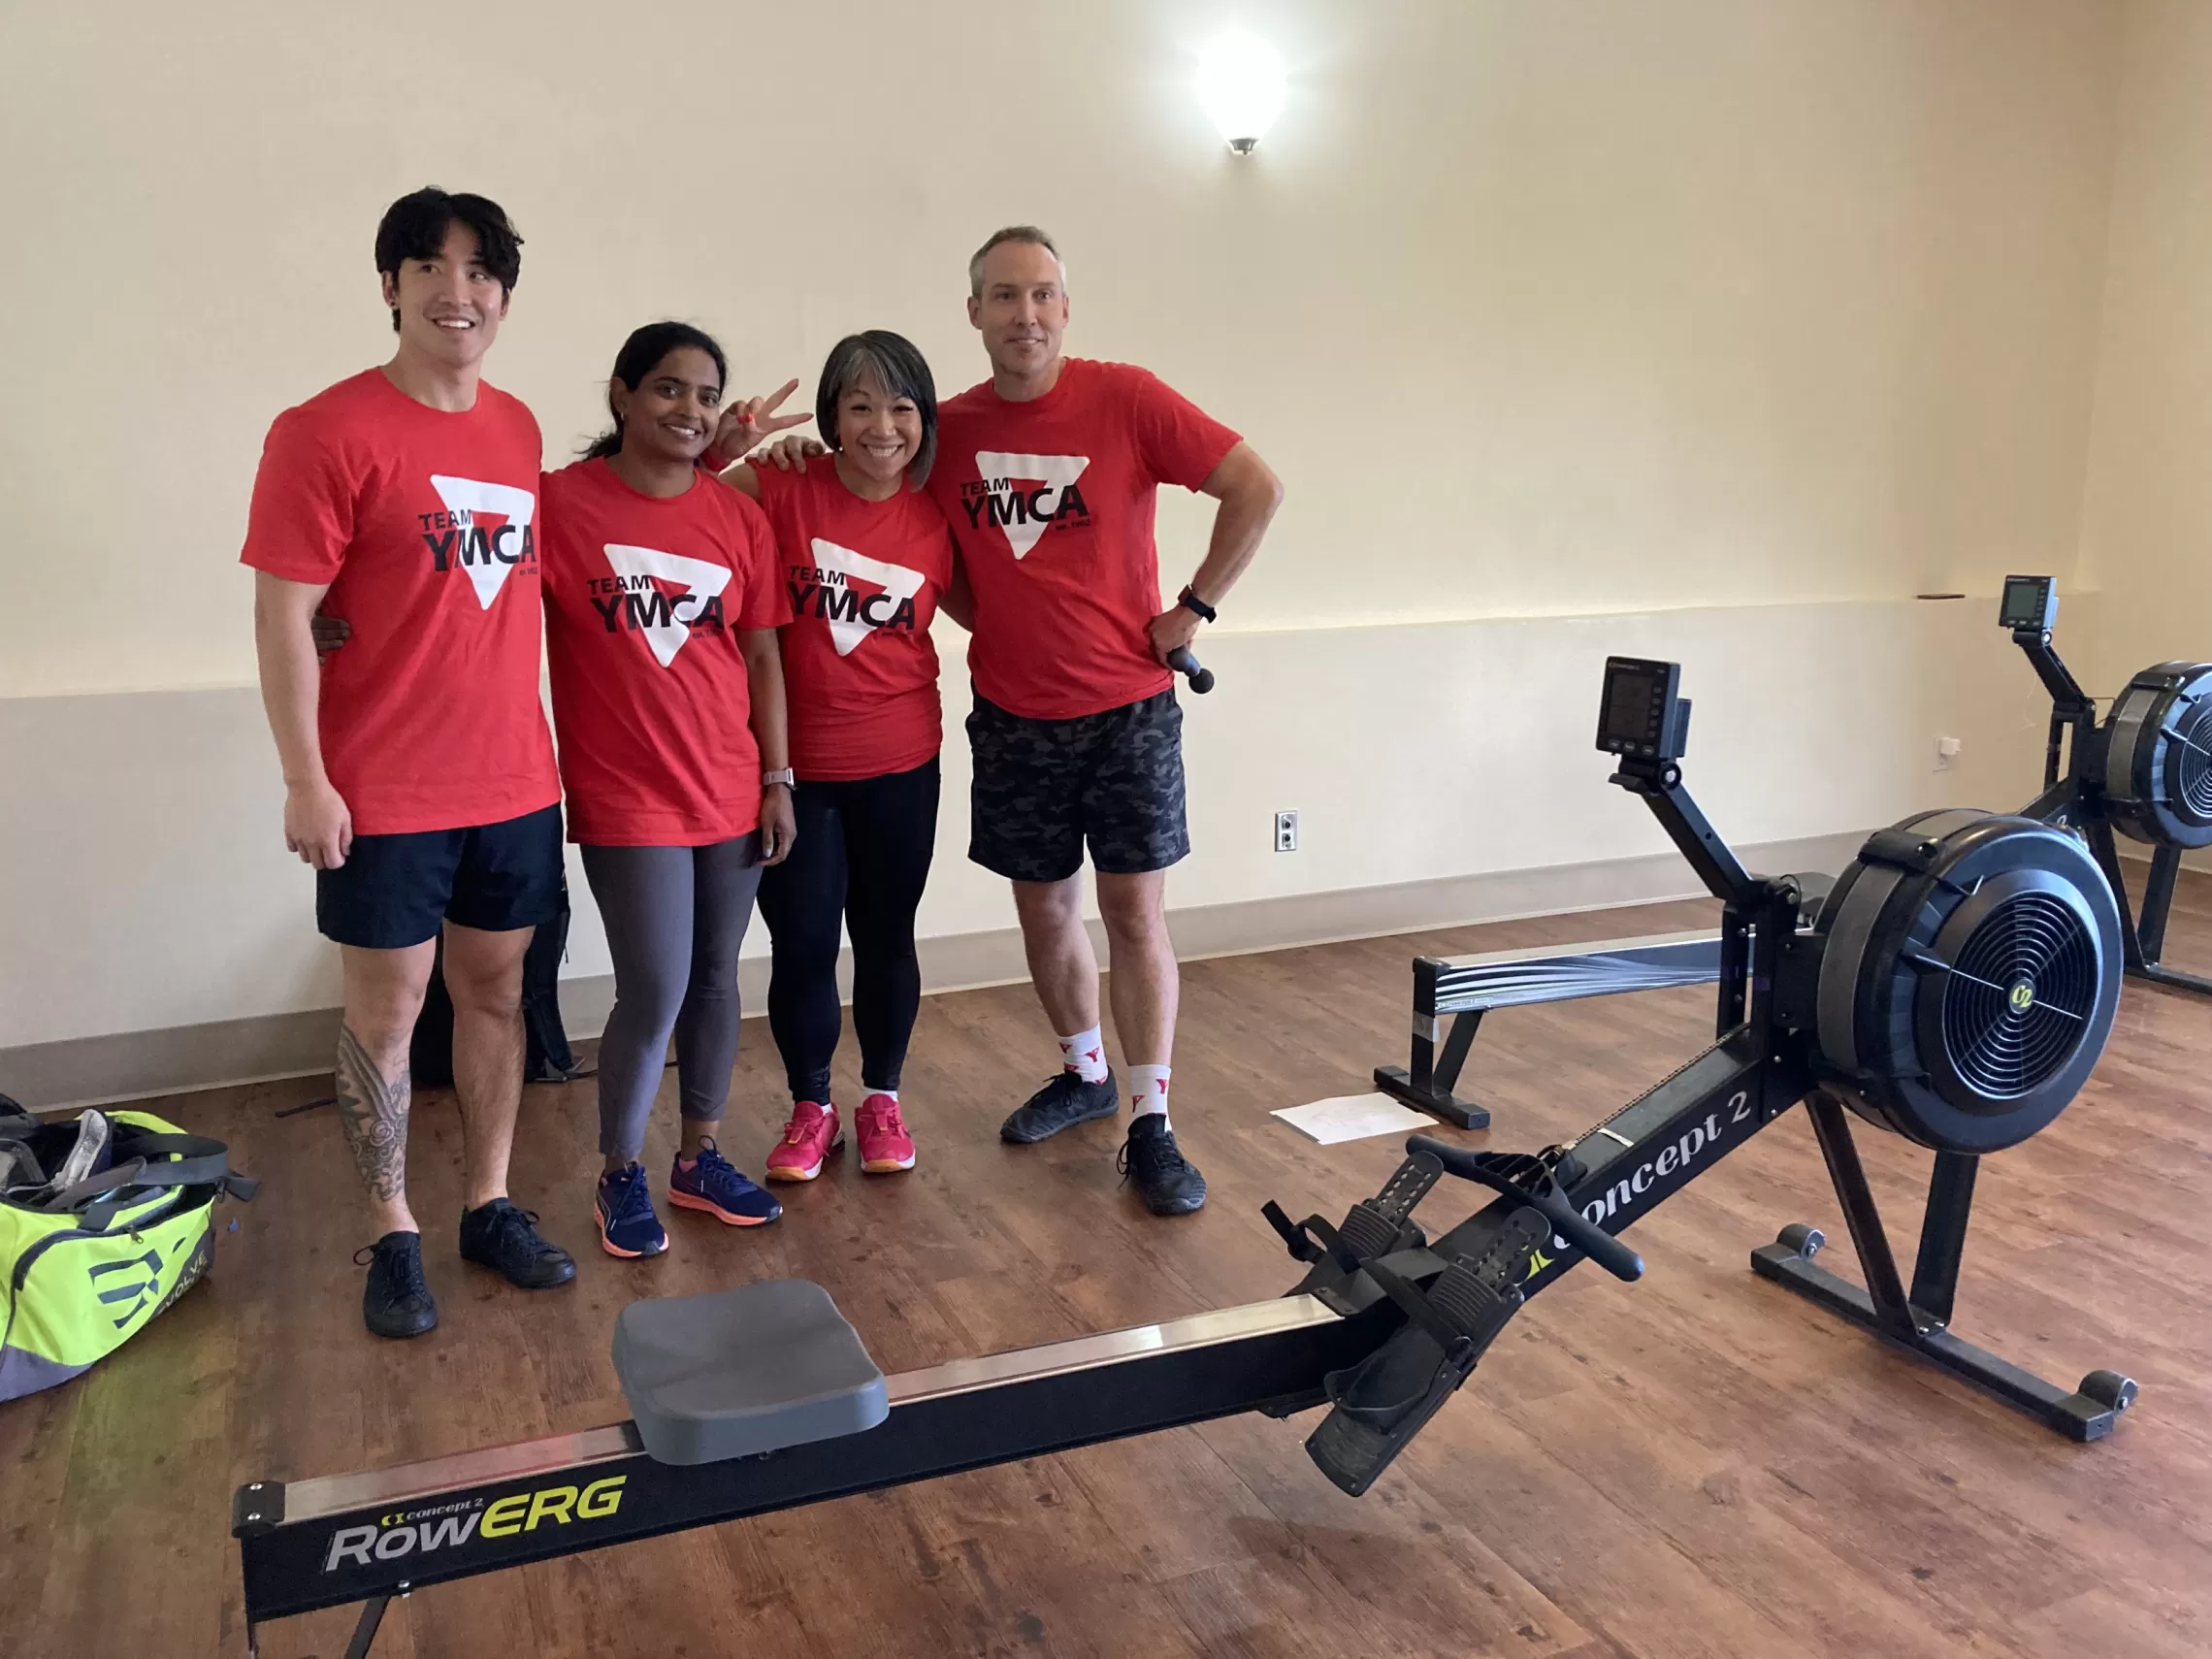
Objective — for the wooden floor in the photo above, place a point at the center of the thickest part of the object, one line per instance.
(1698, 1464)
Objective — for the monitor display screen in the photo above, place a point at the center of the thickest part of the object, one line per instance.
(1631, 694)
(2025, 602)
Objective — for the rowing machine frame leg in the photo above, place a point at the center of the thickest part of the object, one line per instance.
(1426, 1085)
(2151, 926)
(365, 1631)
(1921, 1322)
(2142, 933)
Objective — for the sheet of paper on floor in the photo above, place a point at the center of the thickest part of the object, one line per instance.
(1353, 1118)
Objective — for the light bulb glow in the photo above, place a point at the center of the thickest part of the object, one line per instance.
(1241, 84)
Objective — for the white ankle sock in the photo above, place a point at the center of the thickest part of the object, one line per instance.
(890, 1094)
(1085, 1054)
(1148, 1090)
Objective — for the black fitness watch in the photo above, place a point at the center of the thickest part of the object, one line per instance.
(1191, 601)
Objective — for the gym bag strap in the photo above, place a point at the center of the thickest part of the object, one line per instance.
(187, 1161)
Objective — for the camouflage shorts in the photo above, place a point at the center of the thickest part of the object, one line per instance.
(1044, 786)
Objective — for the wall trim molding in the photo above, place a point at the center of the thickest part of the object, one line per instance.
(137, 1065)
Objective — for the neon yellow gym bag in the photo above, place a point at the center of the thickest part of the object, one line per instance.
(83, 1266)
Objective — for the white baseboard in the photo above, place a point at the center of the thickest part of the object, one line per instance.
(134, 1066)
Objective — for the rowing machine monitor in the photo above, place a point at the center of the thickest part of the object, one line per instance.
(1956, 987)
(1642, 715)
(2029, 606)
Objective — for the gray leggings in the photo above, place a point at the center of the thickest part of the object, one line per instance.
(675, 919)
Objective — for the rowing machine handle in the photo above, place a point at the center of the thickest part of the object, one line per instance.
(1184, 663)
(1571, 1225)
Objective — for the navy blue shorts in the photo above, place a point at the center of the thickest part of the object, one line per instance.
(395, 891)
(1044, 788)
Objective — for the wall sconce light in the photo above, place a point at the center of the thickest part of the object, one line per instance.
(1240, 81)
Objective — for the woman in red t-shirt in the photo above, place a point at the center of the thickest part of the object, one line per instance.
(662, 605)
(867, 559)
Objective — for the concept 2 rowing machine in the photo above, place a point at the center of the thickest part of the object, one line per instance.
(1956, 985)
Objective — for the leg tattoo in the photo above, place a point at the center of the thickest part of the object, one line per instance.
(375, 1112)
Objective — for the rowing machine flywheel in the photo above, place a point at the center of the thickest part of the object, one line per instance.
(2158, 756)
(1970, 971)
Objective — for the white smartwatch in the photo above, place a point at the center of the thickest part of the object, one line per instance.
(786, 777)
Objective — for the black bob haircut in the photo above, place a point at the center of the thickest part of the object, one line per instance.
(641, 354)
(896, 365)
(416, 227)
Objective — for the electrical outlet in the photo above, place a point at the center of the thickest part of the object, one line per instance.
(1286, 831)
(1947, 751)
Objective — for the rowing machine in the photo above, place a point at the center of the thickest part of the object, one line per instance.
(2146, 773)
(1956, 986)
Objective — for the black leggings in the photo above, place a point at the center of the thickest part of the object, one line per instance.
(863, 857)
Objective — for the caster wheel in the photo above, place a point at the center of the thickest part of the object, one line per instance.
(1806, 1241)
(2109, 1390)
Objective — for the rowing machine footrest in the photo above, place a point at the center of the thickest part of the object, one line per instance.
(1368, 1231)
(737, 1373)
(1379, 1404)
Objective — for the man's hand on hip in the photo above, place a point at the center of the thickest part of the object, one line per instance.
(1171, 630)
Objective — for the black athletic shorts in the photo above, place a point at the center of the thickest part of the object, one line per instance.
(394, 891)
(1044, 786)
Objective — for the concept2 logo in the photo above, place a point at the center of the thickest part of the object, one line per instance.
(410, 1532)
(1654, 1177)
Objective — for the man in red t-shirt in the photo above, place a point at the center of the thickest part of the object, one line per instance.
(418, 771)
(1048, 471)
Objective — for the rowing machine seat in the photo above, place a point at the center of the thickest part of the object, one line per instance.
(736, 1373)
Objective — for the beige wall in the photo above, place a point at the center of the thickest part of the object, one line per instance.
(1739, 322)
(1542, 309)
(2147, 520)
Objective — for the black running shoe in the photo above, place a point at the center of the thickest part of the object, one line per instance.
(1170, 1183)
(500, 1236)
(396, 1302)
(1062, 1103)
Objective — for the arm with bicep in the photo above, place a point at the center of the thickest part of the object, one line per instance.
(1248, 492)
(319, 824)
(765, 681)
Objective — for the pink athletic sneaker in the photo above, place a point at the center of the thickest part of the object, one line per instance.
(808, 1139)
(885, 1144)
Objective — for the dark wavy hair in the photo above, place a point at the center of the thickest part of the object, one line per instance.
(641, 354)
(416, 227)
(896, 365)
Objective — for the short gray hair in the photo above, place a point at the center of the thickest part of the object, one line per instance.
(1028, 234)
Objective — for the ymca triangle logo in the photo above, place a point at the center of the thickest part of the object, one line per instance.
(487, 551)
(665, 623)
(849, 622)
(1023, 514)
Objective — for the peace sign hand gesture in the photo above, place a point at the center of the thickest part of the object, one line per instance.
(750, 421)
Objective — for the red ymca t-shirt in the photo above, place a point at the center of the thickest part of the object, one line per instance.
(863, 580)
(423, 524)
(644, 597)
(1051, 502)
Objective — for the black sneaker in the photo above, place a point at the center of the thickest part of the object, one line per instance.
(396, 1302)
(1170, 1183)
(1062, 1103)
(500, 1236)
